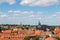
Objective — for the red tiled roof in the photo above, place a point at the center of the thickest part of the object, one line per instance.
(7, 31)
(38, 32)
(58, 34)
(57, 30)
(50, 39)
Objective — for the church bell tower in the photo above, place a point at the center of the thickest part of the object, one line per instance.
(39, 24)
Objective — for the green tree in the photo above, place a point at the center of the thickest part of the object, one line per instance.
(36, 38)
(27, 38)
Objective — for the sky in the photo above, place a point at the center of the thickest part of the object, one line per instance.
(30, 12)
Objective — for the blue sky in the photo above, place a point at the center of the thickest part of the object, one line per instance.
(30, 12)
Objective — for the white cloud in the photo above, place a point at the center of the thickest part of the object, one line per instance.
(55, 15)
(10, 11)
(2, 16)
(24, 15)
(53, 19)
(0, 12)
(26, 12)
(30, 16)
(39, 2)
(15, 11)
(16, 14)
(8, 1)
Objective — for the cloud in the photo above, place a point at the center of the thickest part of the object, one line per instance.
(8, 1)
(23, 13)
(31, 17)
(53, 19)
(15, 11)
(1, 12)
(3, 16)
(55, 15)
(39, 2)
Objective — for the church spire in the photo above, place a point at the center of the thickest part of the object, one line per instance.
(39, 23)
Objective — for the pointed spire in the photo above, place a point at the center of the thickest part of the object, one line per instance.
(39, 23)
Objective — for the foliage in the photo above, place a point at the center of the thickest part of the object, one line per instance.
(57, 38)
(27, 38)
(36, 38)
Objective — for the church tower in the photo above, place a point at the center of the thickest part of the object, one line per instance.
(39, 25)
